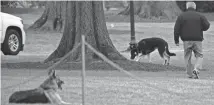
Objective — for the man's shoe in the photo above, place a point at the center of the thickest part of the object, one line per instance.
(196, 72)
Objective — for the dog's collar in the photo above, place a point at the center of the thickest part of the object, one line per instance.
(137, 48)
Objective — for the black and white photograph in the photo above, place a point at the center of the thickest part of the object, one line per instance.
(107, 52)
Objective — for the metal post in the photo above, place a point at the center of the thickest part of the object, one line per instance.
(83, 69)
(104, 6)
(132, 23)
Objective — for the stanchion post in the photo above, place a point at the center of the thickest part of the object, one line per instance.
(133, 41)
(83, 69)
(132, 22)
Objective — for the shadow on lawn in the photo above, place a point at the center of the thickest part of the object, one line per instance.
(94, 65)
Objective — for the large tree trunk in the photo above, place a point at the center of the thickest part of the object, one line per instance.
(151, 9)
(85, 17)
(53, 10)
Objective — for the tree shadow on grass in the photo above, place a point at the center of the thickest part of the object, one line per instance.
(95, 65)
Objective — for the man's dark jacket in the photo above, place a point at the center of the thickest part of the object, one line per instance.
(190, 26)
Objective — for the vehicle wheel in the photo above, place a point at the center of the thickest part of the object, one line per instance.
(12, 43)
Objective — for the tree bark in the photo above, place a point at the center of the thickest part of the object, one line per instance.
(157, 9)
(53, 10)
(85, 18)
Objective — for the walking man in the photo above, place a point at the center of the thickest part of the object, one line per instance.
(189, 27)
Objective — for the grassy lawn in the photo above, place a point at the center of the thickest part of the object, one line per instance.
(41, 44)
(113, 87)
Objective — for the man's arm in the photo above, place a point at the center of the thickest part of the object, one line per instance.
(205, 24)
(177, 29)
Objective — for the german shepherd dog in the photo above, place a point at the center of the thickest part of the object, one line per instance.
(148, 45)
(45, 93)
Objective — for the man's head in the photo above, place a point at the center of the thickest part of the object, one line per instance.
(190, 5)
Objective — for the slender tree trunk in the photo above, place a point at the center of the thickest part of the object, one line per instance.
(158, 9)
(53, 10)
(85, 17)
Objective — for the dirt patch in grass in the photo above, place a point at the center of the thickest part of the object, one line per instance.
(94, 65)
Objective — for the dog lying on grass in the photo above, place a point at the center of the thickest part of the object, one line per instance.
(45, 93)
(148, 45)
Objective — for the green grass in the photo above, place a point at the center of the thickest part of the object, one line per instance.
(115, 88)
(41, 44)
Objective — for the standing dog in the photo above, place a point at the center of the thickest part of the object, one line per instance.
(148, 45)
(45, 93)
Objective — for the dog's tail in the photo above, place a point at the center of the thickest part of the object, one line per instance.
(169, 53)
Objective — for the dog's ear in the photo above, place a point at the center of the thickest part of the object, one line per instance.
(52, 73)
